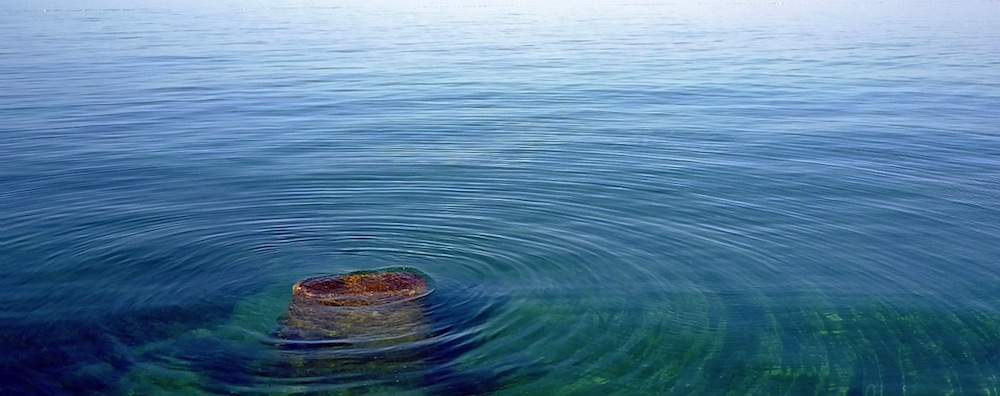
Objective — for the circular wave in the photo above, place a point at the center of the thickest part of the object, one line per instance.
(685, 221)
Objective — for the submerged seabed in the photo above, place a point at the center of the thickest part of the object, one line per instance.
(682, 198)
(694, 344)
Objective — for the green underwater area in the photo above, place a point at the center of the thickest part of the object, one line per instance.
(683, 344)
(741, 347)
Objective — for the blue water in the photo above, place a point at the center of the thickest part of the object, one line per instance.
(681, 197)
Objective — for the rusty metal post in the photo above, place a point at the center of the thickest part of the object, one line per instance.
(363, 308)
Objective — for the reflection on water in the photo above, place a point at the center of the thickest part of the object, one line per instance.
(696, 198)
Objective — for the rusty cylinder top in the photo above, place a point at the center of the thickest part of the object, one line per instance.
(359, 289)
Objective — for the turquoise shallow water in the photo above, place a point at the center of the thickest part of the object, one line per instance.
(665, 198)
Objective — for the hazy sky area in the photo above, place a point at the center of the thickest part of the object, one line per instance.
(845, 12)
(903, 6)
(853, 16)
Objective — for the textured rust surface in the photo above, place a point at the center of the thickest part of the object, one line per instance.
(378, 307)
(359, 289)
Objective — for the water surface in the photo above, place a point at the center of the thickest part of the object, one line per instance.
(667, 198)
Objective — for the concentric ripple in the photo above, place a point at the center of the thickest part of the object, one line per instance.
(607, 198)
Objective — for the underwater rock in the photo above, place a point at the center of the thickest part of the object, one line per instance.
(362, 308)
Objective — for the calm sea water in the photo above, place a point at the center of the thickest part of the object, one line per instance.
(611, 198)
